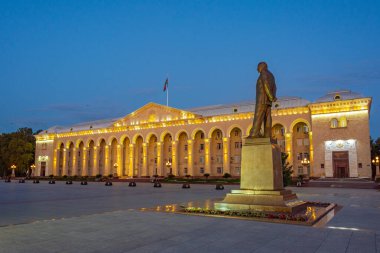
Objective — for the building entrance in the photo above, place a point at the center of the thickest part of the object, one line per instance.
(340, 164)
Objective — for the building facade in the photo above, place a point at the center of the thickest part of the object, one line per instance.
(332, 133)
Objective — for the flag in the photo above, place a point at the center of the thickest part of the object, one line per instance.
(166, 85)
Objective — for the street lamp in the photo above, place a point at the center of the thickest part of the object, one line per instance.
(13, 167)
(306, 162)
(168, 165)
(376, 162)
(32, 167)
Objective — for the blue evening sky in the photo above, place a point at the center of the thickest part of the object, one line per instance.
(64, 62)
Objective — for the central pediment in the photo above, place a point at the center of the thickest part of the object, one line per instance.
(152, 113)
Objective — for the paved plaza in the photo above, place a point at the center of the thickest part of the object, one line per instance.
(96, 218)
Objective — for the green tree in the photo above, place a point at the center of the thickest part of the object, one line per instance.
(17, 148)
(375, 151)
(287, 170)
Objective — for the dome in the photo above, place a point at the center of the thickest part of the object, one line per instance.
(339, 95)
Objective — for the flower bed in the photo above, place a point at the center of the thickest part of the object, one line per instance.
(247, 214)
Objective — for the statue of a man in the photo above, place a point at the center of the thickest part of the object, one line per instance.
(265, 95)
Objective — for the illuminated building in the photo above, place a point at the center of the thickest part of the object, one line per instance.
(332, 132)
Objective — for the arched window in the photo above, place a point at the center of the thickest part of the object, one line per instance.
(337, 97)
(334, 123)
(343, 122)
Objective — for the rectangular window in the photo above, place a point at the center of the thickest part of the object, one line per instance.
(306, 142)
(237, 170)
(236, 159)
(170, 149)
(202, 135)
(219, 159)
(202, 159)
(238, 145)
(201, 170)
(299, 156)
(219, 170)
(186, 147)
(322, 165)
(185, 171)
(299, 142)
(360, 165)
(155, 160)
(300, 170)
(236, 133)
(201, 147)
(219, 146)
(44, 146)
(306, 155)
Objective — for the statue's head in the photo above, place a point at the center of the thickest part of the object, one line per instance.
(262, 66)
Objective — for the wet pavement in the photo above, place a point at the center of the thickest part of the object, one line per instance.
(96, 218)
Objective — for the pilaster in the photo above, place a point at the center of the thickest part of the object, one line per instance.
(207, 156)
(174, 158)
(226, 155)
(190, 163)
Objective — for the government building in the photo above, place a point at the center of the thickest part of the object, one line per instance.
(331, 133)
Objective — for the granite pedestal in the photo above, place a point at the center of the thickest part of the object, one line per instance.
(261, 187)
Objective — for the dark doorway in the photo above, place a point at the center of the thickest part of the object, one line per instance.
(43, 169)
(341, 164)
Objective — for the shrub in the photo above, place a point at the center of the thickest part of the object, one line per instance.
(51, 176)
(98, 175)
(227, 175)
(171, 176)
(206, 175)
(64, 176)
(110, 175)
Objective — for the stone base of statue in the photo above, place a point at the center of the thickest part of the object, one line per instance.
(261, 187)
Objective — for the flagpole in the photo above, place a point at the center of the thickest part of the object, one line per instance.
(167, 91)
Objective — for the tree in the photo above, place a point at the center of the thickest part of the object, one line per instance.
(375, 151)
(17, 148)
(287, 170)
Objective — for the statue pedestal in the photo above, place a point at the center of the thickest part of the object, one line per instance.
(261, 187)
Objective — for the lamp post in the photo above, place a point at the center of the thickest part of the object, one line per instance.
(376, 162)
(115, 165)
(306, 162)
(169, 165)
(32, 168)
(13, 167)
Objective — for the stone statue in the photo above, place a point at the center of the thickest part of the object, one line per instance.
(265, 95)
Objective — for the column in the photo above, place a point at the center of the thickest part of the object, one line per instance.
(55, 162)
(107, 168)
(311, 151)
(74, 165)
(95, 168)
(289, 147)
(145, 160)
(84, 163)
(207, 157)
(226, 155)
(64, 164)
(131, 168)
(119, 160)
(190, 151)
(174, 158)
(159, 158)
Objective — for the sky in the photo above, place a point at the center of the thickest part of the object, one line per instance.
(65, 62)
